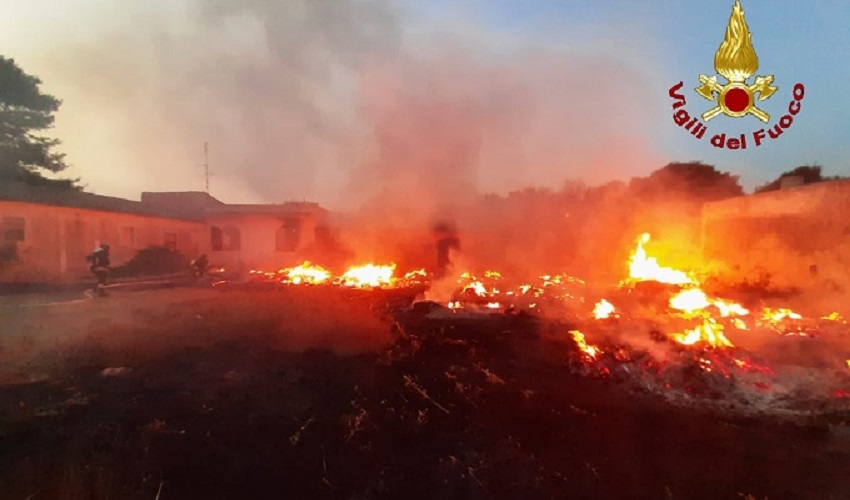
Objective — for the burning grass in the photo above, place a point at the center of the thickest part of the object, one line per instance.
(322, 383)
(248, 400)
(690, 326)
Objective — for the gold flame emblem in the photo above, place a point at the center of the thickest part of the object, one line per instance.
(736, 60)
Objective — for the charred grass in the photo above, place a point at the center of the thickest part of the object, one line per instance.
(314, 393)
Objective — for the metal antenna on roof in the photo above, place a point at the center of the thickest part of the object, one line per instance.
(207, 166)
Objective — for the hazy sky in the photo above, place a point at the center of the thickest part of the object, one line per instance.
(335, 101)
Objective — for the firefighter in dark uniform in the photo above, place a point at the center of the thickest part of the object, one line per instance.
(99, 265)
(200, 266)
(447, 240)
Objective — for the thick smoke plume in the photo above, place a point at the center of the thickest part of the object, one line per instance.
(359, 105)
(338, 101)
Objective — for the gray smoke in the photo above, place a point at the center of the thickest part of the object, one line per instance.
(343, 102)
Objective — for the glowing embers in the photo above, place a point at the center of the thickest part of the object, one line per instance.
(786, 322)
(690, 316)
(416, 277)
(834, 316)
(486, 287)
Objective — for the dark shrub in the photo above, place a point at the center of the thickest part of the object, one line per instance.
(153, 261)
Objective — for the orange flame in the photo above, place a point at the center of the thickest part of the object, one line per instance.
(645, 268)
(477, 287)
(306, 273)
(834, 316)
(603, 309)
(739, 324)
(369, 275)
(690, 300)
(775, 316)
(416, 275)
(694, 299)
(709, 332)
(590, 350)
(730, 308)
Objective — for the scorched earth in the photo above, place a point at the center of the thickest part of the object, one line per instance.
(371, 383)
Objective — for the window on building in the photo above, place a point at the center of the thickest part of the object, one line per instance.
(288, 235)
(216, 239)
(170, 241)
(13, 229)
(232, 238)
(227, 238)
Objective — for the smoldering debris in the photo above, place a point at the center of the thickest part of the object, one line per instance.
(449, 407)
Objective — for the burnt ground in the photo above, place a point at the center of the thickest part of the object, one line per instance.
(316, 393)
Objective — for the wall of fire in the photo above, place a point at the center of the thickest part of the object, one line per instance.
(797, 237)
(43, 243)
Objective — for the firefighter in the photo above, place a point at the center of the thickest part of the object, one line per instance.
(99, 265)
(447, 241)
(200, 266)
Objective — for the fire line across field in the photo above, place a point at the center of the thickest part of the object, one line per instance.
(716, 332)
(305, 378)
(247, 394)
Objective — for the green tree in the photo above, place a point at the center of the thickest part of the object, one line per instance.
(809, 174)
(25, 112)
(694, 181)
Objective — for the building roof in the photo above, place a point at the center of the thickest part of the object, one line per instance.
(289, 208)
(49, 195)
(187, 205)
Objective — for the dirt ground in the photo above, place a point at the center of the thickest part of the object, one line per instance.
(316, 393)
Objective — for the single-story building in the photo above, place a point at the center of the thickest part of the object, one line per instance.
(262, 236)
(267, 236)
(45, 234)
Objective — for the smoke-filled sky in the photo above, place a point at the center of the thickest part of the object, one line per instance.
(337, 101)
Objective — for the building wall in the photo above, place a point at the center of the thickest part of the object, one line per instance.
(265, 241)
(51, 242)
(799, 236)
